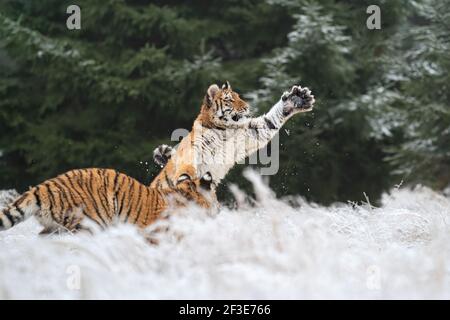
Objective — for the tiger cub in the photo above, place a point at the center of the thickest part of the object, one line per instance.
(103, 196)
(223, 134)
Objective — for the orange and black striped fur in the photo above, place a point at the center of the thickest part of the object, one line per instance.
(103, 196)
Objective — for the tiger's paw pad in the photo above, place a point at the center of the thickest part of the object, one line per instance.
(162, 154)
(298, 100)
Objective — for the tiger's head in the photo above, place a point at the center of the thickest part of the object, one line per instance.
(202, 184)
(223, 107)
(195, 189)
(186, 177)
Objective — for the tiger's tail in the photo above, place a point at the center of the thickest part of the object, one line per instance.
(19, 210)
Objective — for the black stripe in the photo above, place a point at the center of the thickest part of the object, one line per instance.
(81, 188)
(116, 191)
(65, 220)
(255, 133)
(156, 200)
(9, 216)
(131, 202)
(119, 211)
(106, 190)
(147, 199)
(169, 182)
(139, 204)
(72, 187)
(88, 193)
(94, 203)
(148, 208)
(51, 199)
(69, 195)
(102, 195)
(116, 177)
(38, 199)
(61, 195)
(270, 123)
(20, 200)
(71, 204)
(20, 210)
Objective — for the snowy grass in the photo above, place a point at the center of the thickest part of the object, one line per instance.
(273, 249)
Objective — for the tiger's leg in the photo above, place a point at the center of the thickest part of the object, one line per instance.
(259, 131)
(67, 220)
(162, 154)
(297, 100)
(50, 226)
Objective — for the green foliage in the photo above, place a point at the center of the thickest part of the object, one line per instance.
(107, 94)
(328, 154)
(410, 102)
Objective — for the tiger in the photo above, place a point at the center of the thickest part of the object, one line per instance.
(104, 196)
(223, 134)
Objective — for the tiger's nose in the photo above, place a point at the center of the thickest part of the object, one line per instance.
(236, 117)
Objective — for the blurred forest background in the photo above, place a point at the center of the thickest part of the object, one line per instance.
(108, 94)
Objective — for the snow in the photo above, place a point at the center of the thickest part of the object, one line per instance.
(271, 249)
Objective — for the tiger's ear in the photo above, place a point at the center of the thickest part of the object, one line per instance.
(211, 93)
(226, 86)
(206, 181)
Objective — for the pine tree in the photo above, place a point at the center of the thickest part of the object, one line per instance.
(409, 106)
(328, 154)
(108, 94)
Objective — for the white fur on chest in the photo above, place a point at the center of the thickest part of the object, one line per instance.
(217, 151)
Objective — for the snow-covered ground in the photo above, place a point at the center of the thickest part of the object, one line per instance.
(269, 250)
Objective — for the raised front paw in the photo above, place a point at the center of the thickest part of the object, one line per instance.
(162, 154)
(297, 100)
